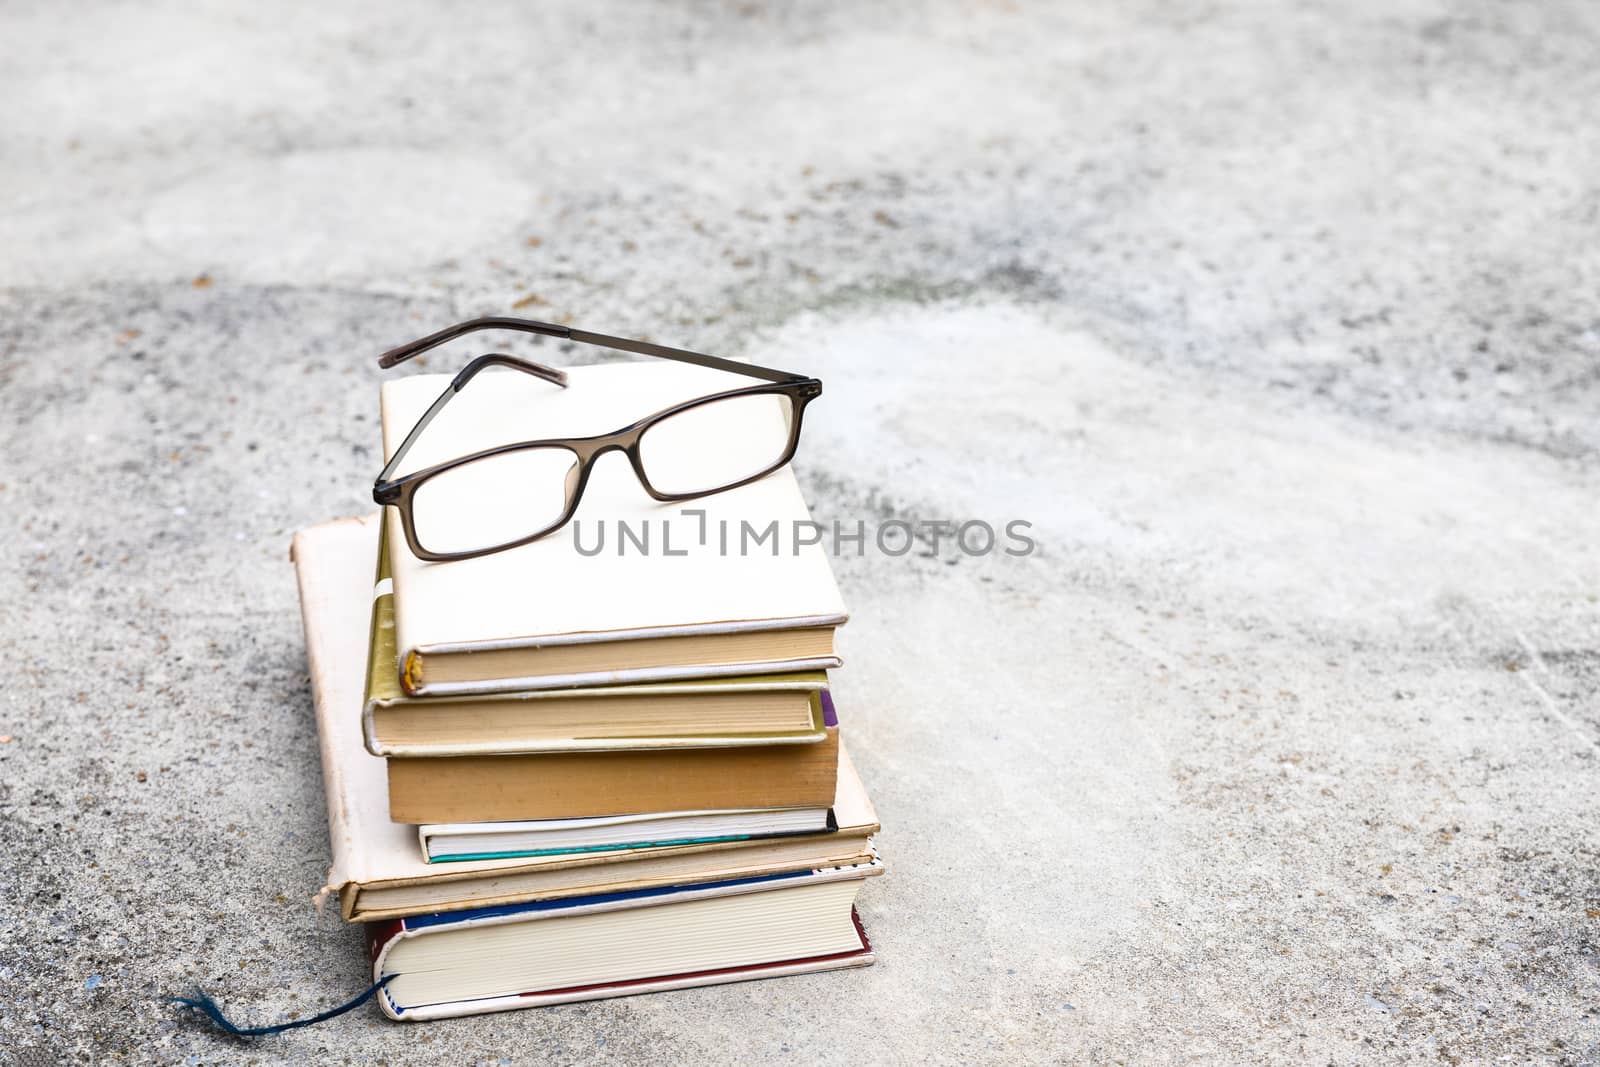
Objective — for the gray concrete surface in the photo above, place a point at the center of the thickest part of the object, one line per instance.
(1278, 321)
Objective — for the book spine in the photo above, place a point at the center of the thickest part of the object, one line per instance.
(379, 936)
(561, 785)
(416, 685)
(313, 607)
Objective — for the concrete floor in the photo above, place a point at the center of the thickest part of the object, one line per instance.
(1277, 321)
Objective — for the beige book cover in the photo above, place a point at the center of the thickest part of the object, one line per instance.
(713, 593)
(378, 871)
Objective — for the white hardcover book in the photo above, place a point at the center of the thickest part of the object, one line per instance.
(716, 585)
(759, 709)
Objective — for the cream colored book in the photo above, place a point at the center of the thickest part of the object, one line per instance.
(758, 709)
(631, 590)
(378, 871)
(505, 959)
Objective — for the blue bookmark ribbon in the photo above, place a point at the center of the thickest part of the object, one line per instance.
(203, 1003)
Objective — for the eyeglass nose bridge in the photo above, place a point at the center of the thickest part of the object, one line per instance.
(590, 450)
(593, 448)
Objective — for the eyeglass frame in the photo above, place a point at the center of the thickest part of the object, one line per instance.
(399, 492)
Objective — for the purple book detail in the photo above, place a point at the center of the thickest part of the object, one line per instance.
(829, 716)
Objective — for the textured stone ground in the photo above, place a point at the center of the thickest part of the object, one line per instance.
(1278, 322)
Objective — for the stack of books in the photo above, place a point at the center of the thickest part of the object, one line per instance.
(558, 773)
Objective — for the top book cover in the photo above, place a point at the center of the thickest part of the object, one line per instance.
(632, 589)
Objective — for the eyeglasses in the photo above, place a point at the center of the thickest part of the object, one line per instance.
(537, 484)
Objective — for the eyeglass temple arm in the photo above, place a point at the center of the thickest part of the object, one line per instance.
(550, 329)
(492, 359)
(401, 353)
